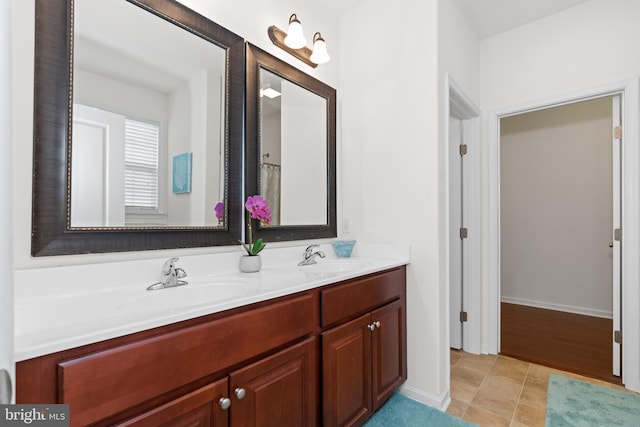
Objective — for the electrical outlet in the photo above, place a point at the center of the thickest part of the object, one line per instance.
(346, 225)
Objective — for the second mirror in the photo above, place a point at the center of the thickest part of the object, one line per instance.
(291, 130)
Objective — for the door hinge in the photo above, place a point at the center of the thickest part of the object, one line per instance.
(617, 132)
(463, 149)
(463, 316)
(617, 234)
(464, 233)
(617, 337)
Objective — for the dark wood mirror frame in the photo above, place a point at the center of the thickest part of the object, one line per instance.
(53, 97)
(256, 59)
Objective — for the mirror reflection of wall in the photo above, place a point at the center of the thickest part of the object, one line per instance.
(159, 88)
(293, 151)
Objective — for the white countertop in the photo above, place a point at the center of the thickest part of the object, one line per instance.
(65, 307)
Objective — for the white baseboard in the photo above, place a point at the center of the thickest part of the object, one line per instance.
(439, 402)
(559, 307)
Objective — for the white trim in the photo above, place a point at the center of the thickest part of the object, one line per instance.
(440, 402)
(630, 217)
(7, 135)
(559, 307)
(463, 106)
(459, 105)
(616, 211)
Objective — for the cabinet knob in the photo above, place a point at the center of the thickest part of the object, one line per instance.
(372, 327)
(224, 403)
(377, 323)
(240, 393)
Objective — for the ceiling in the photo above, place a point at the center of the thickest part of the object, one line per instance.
(490, 17)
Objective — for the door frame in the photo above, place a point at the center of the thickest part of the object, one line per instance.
(630, 217)
(458, 103)
(7, 359)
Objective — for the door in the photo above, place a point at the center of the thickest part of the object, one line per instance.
(202, 407)
(616, 243)
(7, 365)
(97, 183)
(278, 391)
(346, 373)
(455, 224)
(388, 353)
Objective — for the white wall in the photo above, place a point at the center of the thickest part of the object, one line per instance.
(590, 45)
(556, 181)
(459, 58)
(253, 27)
(303, 188)
(389, 99)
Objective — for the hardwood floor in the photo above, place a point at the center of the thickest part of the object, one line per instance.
(567, 341)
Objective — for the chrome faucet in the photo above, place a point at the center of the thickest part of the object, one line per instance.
(309, 255)
(172, 276)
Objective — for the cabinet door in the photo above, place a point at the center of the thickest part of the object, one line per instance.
(389, 349)
(278, 391)
(346, 373)
(200, 408)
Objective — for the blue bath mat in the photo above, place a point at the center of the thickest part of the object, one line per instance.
(577, 403)
(400, 411)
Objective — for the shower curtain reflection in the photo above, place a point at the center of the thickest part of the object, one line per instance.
(270, 189)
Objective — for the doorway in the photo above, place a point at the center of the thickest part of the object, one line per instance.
(559, 261)
(464, 232)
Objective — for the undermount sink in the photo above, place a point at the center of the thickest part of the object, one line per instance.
(333, 266)
(192, 294)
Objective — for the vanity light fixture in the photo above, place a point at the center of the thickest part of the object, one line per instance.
(295, 39)
(319, 55)
(295, 44)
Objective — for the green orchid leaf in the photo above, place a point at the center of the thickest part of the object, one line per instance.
(257, 246)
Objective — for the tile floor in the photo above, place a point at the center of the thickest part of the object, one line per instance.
(501, 391)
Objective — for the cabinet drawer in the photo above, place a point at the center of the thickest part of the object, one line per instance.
(361, 295)
(107, 382)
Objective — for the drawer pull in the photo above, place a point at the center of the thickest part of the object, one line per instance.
(240, 393)
(224, 403)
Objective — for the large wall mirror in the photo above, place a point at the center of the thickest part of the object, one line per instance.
(138, 128)
(291, 148)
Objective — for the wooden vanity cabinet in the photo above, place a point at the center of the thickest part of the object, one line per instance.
(363, 358)
(264, 358)
(279, 390)
(169, 372)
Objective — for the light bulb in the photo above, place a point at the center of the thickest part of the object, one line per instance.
(295, 39)
(319, 55)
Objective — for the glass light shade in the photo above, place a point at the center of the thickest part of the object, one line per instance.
(319, 55)
(295, 39)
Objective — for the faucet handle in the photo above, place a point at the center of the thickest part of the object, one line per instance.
(310, 248)
(169, 266)
(180, 273)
